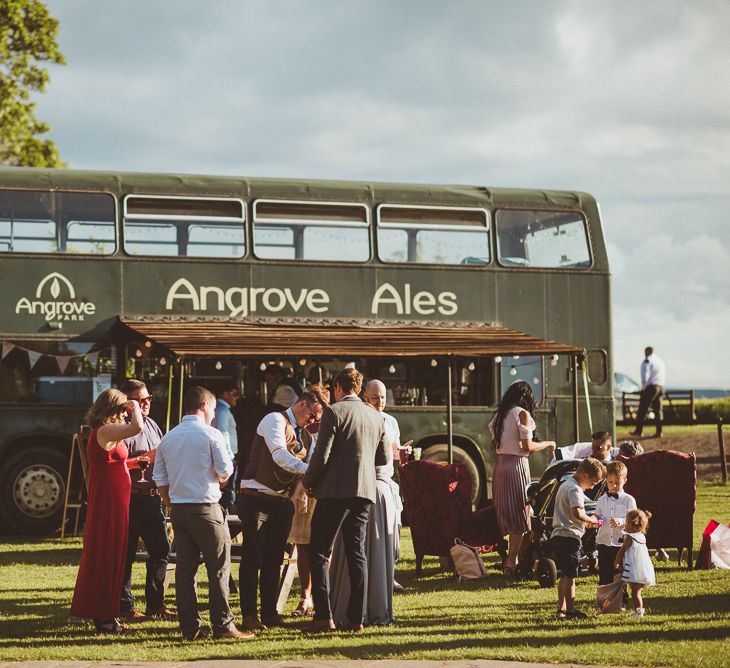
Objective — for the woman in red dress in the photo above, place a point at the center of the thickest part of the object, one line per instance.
(101, 571)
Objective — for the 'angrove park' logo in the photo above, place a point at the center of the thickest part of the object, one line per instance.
(55, 299)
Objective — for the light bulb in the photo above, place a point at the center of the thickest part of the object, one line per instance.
(148, 344)
(471, 366)
(498, 359)
(391, 368)
(138, 353)
(554, 360)
(163, 361)
(302, 362)
(218, 365)
(434, 362)
(535, 381)
(262, 366)
(515, 357)
(512, 371)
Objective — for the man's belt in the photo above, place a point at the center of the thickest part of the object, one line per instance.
(264, 495)
(144, 492)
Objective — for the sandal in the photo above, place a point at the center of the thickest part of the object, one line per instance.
(112, 628)
(304, 609)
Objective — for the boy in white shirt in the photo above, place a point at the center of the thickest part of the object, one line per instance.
(612, 508)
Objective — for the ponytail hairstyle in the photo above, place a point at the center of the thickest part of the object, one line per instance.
(518, 394)
(637, 521)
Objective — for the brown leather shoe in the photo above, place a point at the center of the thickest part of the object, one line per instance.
(234, 633)
(134, 617)
(273, 622)
(162, 613)
(353, 628)
(320, 626)
(252, 623)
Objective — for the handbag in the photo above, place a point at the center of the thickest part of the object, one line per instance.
(610, 597)
(468, 564)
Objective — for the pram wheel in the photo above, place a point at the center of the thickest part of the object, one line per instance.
(547, 572)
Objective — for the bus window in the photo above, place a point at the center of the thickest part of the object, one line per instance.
(433, 235)
(597, 366)
(523, 367)
(542, 239)
(34, 221)
(185, 227)
(316, 231)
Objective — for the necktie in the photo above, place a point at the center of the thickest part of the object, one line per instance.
(298, 433)
(611, 495)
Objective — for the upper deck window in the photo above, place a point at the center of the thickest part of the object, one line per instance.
(186, 227)
(317, 231)
(433, 235)
(542, 239)
(41, 221)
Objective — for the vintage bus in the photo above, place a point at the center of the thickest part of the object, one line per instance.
(446, 293)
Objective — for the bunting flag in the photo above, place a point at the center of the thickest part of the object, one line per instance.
(92, 357)
(7, 347)
(33, 357)
(63, 361)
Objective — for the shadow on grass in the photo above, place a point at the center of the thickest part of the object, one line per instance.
(58, 556)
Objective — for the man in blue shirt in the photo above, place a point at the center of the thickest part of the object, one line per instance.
(192, 462)
(225, 423)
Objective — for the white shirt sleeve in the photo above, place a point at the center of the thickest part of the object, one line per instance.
(272, 428)
(222, 461)
(159, 472)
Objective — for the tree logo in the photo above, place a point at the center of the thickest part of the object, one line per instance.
(55, 299)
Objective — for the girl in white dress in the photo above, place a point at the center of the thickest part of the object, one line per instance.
(638, 570)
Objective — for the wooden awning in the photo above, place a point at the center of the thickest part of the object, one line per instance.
(210, 336)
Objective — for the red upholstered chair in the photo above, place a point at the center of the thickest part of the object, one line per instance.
(437, 507)
(664, 482)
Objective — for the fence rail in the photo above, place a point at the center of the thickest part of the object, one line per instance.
(679, 407)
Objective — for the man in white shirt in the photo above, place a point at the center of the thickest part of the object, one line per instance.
(191, 464)
(600, 448)
(276, 463)
(652, 390)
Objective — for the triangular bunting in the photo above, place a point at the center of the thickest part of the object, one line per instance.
(93, 358)
(63, 361)
(33, 357)
(7, 347)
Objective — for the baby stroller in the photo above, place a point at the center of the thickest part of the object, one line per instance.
(541, 497)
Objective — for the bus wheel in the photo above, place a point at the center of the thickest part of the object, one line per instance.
(439, 454)
(33, 489)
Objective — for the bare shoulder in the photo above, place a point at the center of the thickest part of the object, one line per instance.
(524, 417)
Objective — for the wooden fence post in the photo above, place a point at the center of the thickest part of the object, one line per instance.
(723, 460)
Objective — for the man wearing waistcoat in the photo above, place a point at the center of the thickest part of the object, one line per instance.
(276, 463)
(351, 442)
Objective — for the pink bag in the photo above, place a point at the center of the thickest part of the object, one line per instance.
(610, 597)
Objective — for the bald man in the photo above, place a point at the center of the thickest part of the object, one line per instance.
(375, 396)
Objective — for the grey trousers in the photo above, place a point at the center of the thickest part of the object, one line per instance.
(201, 528)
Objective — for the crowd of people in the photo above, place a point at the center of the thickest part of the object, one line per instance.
(319, 476)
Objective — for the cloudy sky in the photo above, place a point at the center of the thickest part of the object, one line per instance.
(628, 101)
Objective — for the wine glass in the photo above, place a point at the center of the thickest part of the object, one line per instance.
(143, 464)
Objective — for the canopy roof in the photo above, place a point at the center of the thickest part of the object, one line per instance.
(211, 336)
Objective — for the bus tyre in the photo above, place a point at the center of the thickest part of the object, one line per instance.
(546, 572)
(439, 454)
(32, 490)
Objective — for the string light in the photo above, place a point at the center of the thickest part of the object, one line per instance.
(148, 344)
(512, 371)
(138, 353)
(262, 366)
(163, 361)
(471, 366)
(218, 365)
(554, 360)
(498, 359)
(302, 362)
(535, 381)
(434, 362)
(391, 368)
(515, 357)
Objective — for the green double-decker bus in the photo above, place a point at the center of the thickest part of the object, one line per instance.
(446, 293)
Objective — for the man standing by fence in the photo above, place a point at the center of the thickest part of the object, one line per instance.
(652, 390)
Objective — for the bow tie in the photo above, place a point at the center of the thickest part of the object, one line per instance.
(611, 495)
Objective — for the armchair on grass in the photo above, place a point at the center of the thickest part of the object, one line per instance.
(437, 507)
(664, 482)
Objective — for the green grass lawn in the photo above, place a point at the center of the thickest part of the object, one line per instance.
(688, 621)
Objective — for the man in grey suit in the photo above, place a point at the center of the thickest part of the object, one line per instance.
(341, 476)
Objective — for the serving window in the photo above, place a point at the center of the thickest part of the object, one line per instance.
(185, 227)
(40, 221)
(316, 231)
(527, 238)
(433, 235)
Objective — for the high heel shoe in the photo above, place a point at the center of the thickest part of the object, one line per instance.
(304, 609)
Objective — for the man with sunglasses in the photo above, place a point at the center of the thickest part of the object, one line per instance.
(277, 461)
(146, 519)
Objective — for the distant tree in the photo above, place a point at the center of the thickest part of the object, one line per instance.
(27, 39)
